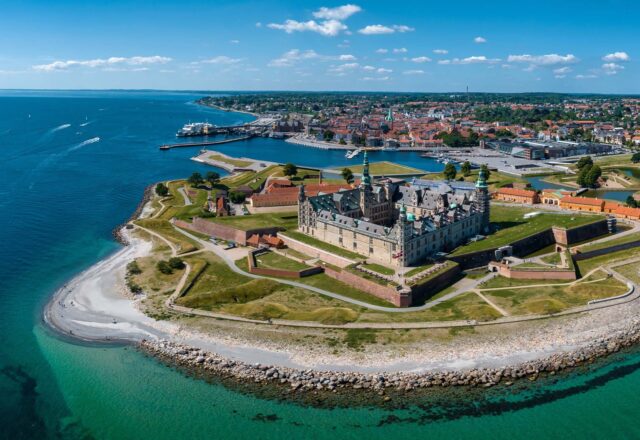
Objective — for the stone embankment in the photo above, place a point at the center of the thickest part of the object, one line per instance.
(336, 381)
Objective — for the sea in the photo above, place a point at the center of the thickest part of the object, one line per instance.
(75, 164)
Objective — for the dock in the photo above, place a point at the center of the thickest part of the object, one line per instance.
(203, 144)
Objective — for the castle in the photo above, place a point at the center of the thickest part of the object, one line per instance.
(396, 224)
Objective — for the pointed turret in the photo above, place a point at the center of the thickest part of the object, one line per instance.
(482, 199)
(366, 178)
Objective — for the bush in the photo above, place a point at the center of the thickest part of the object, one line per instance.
(237, 197)
(176, 263)
(164, 267)
(162, 190)
(133, 268)
(133, 287)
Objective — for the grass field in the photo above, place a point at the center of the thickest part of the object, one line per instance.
(285, 220)
(631, 271)
(553, 299)
(553, 258)
(384, 270)
(385, 168)
(511, 226)
(164, 228)
(274, 261)
(620, 240)
(231, 161)
(585, 266)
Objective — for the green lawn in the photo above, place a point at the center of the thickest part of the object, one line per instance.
(586, 265)
(417, 270)
(447, 265)
(553, 258)
(553, 299)
(164, 228)
(284, 220)
(323, 246)
(231, 161)
(631, 271)
(511, 226)
(384, 270)
(620, 240)
(385, 168)
(274, 261)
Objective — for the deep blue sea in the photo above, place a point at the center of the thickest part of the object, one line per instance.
(72, 166)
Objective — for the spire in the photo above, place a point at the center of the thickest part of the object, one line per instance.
(482, 179)
(366, 178)
(389, 116)
(301, 195)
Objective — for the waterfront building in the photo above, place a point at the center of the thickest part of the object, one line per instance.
(397, 224)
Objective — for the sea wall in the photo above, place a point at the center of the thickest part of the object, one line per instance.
(333, 259)
(379, 383)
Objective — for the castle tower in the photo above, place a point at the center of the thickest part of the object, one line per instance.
(404, 235)
(302, 217)
(365, 188)
(482, 199)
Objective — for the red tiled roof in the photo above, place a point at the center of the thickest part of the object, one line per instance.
(582, 201)
(516, 192)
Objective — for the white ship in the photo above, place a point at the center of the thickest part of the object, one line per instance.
(195, 129)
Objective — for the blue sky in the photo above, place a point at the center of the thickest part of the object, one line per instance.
(500, 46)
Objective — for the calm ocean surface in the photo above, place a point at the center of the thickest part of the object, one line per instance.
(74, 165)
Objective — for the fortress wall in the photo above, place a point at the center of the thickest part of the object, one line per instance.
(335, 260)
(607, 250)
(386, 293)
(575, 235)
(422, 292)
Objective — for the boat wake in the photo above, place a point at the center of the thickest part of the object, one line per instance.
(60, 127)
(83, 143)
(84, 124)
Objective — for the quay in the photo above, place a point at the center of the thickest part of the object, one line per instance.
(202, 144)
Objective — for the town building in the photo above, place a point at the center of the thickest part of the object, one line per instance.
(586, 204)
(394, 224)
(516, 195)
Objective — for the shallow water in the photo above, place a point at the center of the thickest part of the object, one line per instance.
(75, 169)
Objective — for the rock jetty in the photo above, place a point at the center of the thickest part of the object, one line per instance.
(296, 380)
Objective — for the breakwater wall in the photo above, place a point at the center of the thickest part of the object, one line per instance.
(310, 380)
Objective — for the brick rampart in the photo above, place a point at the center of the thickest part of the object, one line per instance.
(224, 232)
(386, 293)
(333, 259)
(607, 250)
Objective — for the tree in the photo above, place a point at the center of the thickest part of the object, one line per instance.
(584, 161)
(635, 158)
(237, 196)
(176, 263)
(631, 202)
(449, 171)
(466, 168)
(290, 170)
(342, 141)
(347, 175)
(484, 168)
(161, 189)
(212, 177)
(195, 179)
(328, 135)
(592, 176)
(164, 267)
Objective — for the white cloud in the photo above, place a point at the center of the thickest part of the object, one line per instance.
(338, 13)
(543, 60)
(479, 40)
(292, 57)
(476, 59)
(382, 50)
(616, 56)
(376, 78)
(379, 29)
(344, 67)
(440, 51)
(612, 68)
(327, 28)
(221, 59)
(400, 50)
(413, 72)
(100, 62)
(421, 59)
(590, 76)
(347, 57)
(383, 70)
(234, 41)
(562, 70)
(369, 68)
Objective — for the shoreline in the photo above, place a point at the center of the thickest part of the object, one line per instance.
(95, 306)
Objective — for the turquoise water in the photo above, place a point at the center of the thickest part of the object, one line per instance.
(60, 197)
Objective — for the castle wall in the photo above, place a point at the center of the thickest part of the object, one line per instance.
(386, 293)
(333, 259)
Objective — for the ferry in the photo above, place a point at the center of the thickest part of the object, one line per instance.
(195, 129)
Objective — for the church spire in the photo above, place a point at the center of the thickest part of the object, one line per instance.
(366, 178)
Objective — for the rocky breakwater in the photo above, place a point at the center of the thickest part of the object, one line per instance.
(296, 380)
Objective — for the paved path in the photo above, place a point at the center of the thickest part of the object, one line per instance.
(187, 200)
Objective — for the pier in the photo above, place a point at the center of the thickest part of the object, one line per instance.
(203, 144)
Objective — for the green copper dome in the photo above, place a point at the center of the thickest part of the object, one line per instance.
(482, 179)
